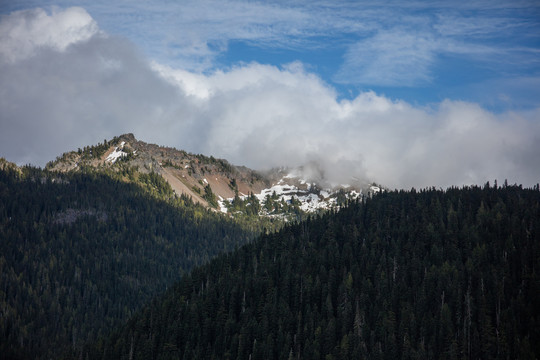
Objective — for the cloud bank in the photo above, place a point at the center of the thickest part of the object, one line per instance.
(55, 98)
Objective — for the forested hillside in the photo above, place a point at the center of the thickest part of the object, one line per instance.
(403, 275)
(81, 251)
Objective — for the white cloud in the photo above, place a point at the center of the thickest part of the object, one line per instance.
(255, 115)
(194, 33)
(456, 24)
(65, 96)
(390, 59)
(24, 32)
(262, 116)
(386, 44)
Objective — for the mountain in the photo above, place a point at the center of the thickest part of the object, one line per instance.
(278, 193)
(81, 251)
(401, 275)
(186, 173)
(101, 230)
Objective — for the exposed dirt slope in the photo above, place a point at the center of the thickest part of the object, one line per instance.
(186, 173)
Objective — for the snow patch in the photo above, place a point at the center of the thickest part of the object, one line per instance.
(117, 153)
(221, 203)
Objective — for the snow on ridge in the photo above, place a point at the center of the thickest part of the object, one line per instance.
(310, 201)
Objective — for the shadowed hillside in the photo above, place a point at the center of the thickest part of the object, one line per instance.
(404, 275)
(80, 252)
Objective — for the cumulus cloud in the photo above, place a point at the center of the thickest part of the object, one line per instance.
(25, 32)
(276, 121)
(69, 91)
(57, 99)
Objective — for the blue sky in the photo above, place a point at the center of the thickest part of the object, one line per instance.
(414, 93)
(419, 51)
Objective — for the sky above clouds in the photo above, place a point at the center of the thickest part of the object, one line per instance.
(402, 93)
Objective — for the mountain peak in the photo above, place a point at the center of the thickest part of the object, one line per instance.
(215, 182)
(129, 137)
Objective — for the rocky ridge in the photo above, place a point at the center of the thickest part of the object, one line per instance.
(215, 182)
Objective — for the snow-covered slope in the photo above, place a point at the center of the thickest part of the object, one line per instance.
(292, 189)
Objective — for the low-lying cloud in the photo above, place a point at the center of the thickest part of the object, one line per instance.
(55, 99)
